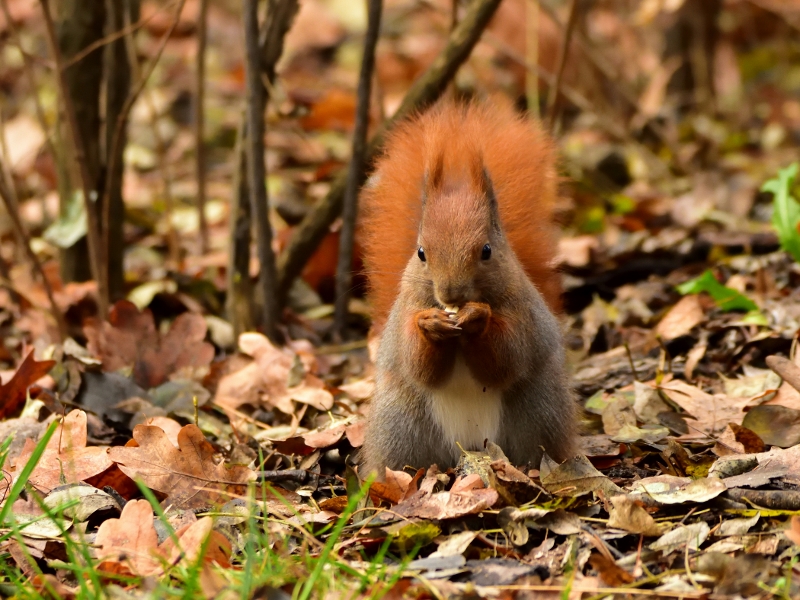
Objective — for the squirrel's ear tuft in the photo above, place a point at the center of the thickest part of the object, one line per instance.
(488, 190)
(434, 175)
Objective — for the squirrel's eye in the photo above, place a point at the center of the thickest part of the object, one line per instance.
(486, 254)
(421, 254)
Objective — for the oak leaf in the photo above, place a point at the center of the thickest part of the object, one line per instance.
(187, 475)
(66, 458)
(130, 543)
(15, 391)
(130, 339)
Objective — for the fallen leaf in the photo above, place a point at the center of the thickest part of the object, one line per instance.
(191, 542)
(628, 514)
(455, 544)
(187, 475)
(66, 459)
(668, 489)
(130, 541)
(129, 339)
(611, 574)
(683, 535)
(14, 393)
(793, 533)
(687, 314)
(576, 477)
(775, 425)
(736, 439)
(737, 526)
(426, 504)
(394, 486)
(711, 412)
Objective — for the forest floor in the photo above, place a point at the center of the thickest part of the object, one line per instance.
(156, 454)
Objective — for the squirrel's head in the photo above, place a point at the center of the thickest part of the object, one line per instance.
(461, 246)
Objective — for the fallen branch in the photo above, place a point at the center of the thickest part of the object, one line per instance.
(422, 94)
(772, 499)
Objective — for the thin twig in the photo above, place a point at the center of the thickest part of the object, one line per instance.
(10, 201)
(532, 56)
(122, 119)
(355, 173)
(113, 37)
(97, 258)
(199, 122)
(256, 175)
(553, 104)
(426, 90)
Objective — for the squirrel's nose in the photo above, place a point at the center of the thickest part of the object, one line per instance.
(452, 294)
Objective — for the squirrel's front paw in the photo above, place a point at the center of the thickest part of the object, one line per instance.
(437, 325)
(474, 317)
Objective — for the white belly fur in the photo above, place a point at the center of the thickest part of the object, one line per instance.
(467, 412)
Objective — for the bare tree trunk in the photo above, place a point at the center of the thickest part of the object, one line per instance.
(117, 88)
(81, 22)
(240, 307)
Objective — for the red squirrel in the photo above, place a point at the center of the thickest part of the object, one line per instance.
(460, 247)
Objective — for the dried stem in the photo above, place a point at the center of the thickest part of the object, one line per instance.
(256, 175)
(355, 173)
(553, 103)
(425, 91)
(97, 254)
(199, 122)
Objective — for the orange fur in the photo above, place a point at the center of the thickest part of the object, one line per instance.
(521, 161)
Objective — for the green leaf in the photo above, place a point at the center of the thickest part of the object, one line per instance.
(725, 298)
(786, 209)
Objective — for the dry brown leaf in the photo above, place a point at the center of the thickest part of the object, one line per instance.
(426, 504)
(611, 574)
(736, 439)
(66, 459)
(711, 412)
(681, 318)
(170, 426)
(324, 438)
(130, 541)
(394, 486)
(628, 514)
(793, 533)
(14, 393)
(129, 338)
(575, 477)
(187, 475)
(266, 380)
(191, 540)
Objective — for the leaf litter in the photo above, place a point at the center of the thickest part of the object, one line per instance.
(680, 297)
